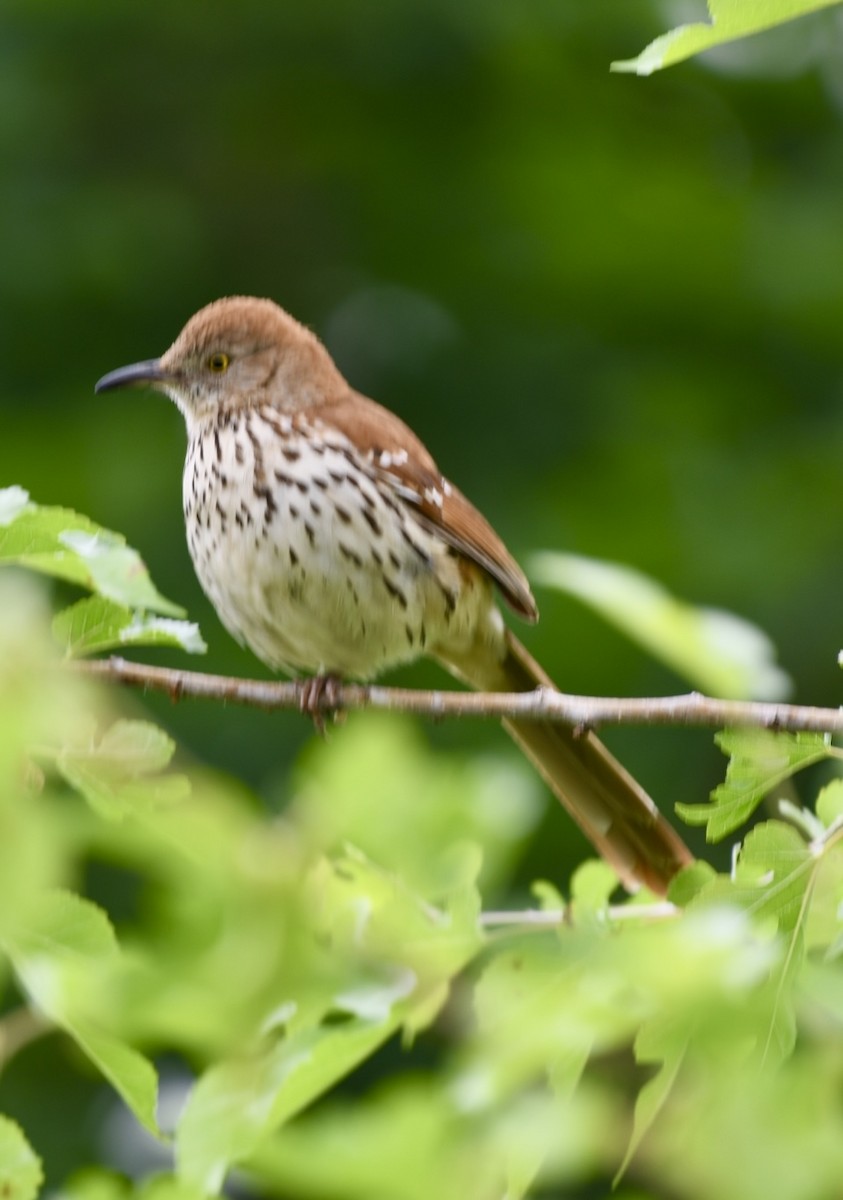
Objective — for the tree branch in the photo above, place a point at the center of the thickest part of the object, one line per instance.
(589, 712)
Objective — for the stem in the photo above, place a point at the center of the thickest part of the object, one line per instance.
(540, 918)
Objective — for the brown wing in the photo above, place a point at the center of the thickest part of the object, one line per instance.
(398, 456)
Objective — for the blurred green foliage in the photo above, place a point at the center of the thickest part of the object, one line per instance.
(244, 1003)
(609, 306)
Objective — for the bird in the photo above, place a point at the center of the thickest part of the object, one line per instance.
(330, 543)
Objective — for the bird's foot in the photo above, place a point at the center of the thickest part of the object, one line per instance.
(319, 699)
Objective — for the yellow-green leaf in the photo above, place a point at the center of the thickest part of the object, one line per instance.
(21, 1175)
(728, 20)
(714, 650)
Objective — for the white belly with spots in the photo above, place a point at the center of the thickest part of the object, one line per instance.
(312, 561)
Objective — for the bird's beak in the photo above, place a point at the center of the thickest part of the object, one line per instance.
(149, 373)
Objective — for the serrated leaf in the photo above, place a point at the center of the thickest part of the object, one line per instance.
(771, 876)
(119, 774)
(63, 953)
(689, 882)
(67, 925)
(717, 651)
(117, 571)
(136, 747)
(759, 760)
(728, 21)
(146, 630)
(773, 880)
(21, 1175)
(13, 501)
(116, 800)
(96, 624)
(67, 545)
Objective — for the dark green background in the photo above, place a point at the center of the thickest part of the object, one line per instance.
(610, 305)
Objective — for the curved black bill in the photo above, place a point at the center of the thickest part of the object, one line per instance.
(136, 375)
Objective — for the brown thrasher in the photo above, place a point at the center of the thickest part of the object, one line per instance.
(329, 542)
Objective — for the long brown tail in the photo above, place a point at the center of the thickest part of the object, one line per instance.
(612, 809)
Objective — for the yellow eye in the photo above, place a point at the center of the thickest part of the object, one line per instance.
(218, 363)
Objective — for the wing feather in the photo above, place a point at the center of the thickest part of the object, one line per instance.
(397, 455)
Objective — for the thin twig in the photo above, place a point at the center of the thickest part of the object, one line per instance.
(540, 918)
(586, 712)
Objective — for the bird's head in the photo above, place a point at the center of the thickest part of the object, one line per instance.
(236, 352)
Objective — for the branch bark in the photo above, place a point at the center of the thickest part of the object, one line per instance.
(692, 709)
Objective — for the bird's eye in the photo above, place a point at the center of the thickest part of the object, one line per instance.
(218, 363)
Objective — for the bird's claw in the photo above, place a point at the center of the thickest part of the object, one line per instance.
(319, 699)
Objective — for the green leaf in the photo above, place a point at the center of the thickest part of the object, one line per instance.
(168, 1187)
(64, 927)
(548, 896)
(550, 1001)
(771, 875)
(525, 1133)
(717, 651)
(729, 20)
(745, 1134)
(396, 956)
(773, 882)
(759, 761)
(830, 803)
(95, 1183)
(359, 904)
(64, 954)
(129, 1072)
(535, 1018)
(236, 1104)
(13, 501)
(411, 1138)
(62, 543)
(21, 1175)
(824, 922)
(401, 1140)
(119, 774)
(96, 624)
(381, 789)
(665, 1043)
(592, 884)
(689, 882)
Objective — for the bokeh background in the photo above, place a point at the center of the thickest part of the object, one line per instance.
(611, 306)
